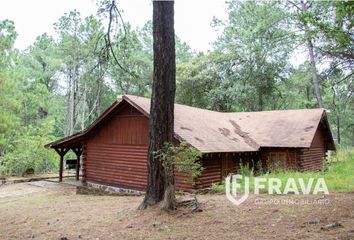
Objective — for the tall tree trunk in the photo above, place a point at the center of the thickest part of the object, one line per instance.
(315, 81)
(83, 110)
(310, 48)
(99, 97)
(73, 84)
(73, 103)
(70, 105)
(162, 101)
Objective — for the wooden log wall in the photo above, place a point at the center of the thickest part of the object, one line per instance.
(211, 172)
(312, 159)
(117, 153)
(183, 181)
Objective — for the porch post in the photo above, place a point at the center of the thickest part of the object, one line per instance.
(77, 167)
(61, 152)
(61, 166)
(78, 152)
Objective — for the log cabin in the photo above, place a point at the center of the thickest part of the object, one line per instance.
(113, 150)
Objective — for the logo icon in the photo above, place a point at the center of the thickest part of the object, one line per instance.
(231, 188)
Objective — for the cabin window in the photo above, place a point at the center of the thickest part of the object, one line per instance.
(277, 160)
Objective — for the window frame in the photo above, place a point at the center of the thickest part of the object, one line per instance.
(278, 154)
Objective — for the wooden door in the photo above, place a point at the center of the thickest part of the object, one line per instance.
(226, 166)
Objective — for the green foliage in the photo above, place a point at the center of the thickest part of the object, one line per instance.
(27, 151)
(7, 38)
(329, 25)
(10, 85)
(246, 170)
(24, 123)
(134, 51)
(249, 63)
(42, 62)
(218, 187)
(182, 157)
(136, 77)
(197, 81)
(256, 46)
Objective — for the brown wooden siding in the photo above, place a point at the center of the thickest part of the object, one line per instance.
(183, 181)
(293, 159)
(236, 164)
(211, 172)
(117, 152)
(123, 130)
(312, 159)
(212, 164)
(119, 165)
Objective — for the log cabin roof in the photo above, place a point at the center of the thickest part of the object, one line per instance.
(211, 131)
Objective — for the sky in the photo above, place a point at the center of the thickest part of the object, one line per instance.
(192, 17)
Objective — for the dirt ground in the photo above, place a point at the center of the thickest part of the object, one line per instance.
(45, 210)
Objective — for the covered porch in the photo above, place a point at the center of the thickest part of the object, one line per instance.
(62, 147)
(62, 151)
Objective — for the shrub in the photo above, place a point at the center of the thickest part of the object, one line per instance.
(245, 170)
(218, 187)
(28, 152)
(183, 157)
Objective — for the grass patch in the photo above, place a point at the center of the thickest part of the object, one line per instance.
(338, 173)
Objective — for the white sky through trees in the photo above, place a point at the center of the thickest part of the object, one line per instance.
(192, 18)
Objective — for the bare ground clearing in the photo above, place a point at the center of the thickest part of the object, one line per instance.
(54, 211)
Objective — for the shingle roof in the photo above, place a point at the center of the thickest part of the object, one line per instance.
(211, 131)
(202, 128)
(285, 128)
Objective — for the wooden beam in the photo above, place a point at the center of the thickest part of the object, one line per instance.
(58, 151)
(77, 151)
(61, 152)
